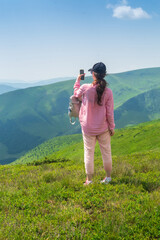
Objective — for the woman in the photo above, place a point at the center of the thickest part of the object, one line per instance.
(96, 117)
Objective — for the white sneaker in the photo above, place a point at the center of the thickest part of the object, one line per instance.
(87, 182)
(106, 180)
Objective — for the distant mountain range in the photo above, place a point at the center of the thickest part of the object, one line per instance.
(10, 85)
(28, 117)
(5, 88)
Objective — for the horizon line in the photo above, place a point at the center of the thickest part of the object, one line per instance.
(71, 77)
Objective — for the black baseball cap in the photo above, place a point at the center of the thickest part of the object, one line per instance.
(98, 68)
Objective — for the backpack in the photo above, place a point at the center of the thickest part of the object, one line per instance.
(74, 107)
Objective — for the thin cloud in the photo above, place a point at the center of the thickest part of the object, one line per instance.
(123, 11)
(124, 2)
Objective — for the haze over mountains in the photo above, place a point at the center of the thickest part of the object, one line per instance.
(5, 88)
(28, 117)
(10, 85)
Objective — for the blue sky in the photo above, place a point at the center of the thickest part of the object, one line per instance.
(42, 39)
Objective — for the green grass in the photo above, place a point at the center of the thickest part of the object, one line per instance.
(46, 198)
(139, 138)
(49, 201)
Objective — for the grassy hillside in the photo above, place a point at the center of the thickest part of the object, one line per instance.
(47, 200)
(140, 138)
(53, 145)
(144, 107)
(31, 116)
(129, 84)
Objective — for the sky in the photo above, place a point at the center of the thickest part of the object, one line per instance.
(43, 39)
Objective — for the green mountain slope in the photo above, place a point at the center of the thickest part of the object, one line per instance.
(31, 116)
(53, 145)
(140, 138)
(49, 201)
(129, 84)
(144, 107)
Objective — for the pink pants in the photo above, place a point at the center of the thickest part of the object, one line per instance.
(89, 147)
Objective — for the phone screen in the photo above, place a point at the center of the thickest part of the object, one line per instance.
(82, 72)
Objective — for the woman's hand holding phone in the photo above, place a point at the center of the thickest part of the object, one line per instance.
(80, 75)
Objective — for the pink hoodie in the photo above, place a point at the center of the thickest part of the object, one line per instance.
(94, 119)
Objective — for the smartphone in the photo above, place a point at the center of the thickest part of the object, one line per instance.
(82, 72)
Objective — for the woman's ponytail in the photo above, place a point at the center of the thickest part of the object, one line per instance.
(101, 85)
